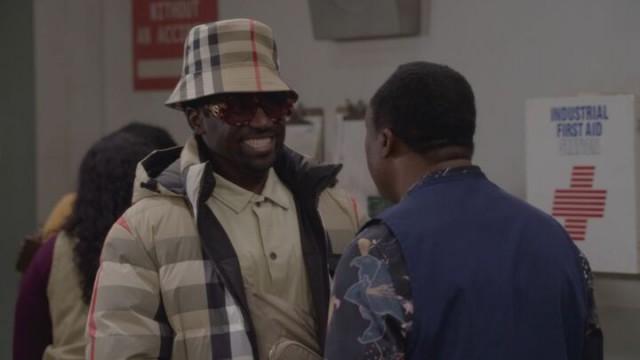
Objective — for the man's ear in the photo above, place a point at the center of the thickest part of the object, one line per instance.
(388, 142)
(195, 121)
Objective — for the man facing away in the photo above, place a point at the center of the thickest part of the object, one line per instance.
(457, 268)
(223, 254)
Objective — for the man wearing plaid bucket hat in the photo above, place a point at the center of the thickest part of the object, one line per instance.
(223, 254)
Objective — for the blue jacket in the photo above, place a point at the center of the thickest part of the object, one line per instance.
(491, 276)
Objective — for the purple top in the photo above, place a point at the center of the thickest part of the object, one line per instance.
(32, 330)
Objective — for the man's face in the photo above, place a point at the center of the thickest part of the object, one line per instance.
(247, 134)
(377, 163)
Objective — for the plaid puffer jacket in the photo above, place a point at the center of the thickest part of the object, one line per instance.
(169, 284)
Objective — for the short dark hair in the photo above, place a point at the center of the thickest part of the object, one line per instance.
(158, 137)
(428, 106)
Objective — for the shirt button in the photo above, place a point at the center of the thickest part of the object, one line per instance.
(273, 256)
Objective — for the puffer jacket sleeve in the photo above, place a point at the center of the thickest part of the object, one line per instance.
(341, 219)
(126, 316)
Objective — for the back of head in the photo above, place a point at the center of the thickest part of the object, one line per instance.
(428, 106)
(105, 186)
(157, 136)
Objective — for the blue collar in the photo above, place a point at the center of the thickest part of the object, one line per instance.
(446, 174)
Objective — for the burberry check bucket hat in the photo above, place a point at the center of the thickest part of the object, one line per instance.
(228, 56)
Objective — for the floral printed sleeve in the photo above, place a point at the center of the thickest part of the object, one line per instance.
(371, 305)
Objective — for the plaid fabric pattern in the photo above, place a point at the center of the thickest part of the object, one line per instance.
(236, 55)
(160, 292)
(162, 301)
(157, 293)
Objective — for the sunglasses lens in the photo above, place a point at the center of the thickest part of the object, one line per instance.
(240, 109)
(276, 105)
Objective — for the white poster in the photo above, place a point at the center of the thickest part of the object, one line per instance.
(354, 176)
(581, 168)
(305, 136)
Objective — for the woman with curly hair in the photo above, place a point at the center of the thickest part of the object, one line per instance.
(52, 305)
(157, 136)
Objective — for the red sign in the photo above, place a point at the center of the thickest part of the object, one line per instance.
(580, 202)
(159, 30)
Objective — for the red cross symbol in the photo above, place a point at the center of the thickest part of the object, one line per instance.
(580, 202)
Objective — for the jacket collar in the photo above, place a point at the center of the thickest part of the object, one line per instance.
(296, 172)
(178, 172)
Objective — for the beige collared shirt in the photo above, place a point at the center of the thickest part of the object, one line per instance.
(263, 229)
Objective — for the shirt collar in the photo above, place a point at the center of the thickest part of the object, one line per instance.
(238, 198)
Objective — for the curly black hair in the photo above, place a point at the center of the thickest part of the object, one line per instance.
(428, 106)
(105, 186)
(157, 136)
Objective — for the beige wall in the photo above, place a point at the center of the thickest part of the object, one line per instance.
(510, 51)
